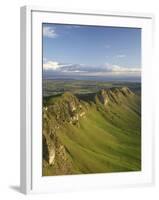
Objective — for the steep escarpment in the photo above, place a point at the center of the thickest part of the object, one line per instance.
(102, 135)
(66, 109)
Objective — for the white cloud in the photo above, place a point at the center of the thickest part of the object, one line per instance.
(86, 69)
(49, 32)
(51, 65)
(54, 65)
(117, 68)
(121, 56)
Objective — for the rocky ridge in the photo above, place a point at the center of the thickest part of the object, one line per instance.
(68, 109)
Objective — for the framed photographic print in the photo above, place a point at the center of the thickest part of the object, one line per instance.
(86, 100)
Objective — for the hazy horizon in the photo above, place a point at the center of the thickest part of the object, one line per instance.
(108, 78)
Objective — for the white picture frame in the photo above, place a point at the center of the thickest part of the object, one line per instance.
(31, 92)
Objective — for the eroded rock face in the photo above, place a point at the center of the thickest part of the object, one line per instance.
(104, 97)
(48, 149)
(114, 95)
(82, 114)
(51, 155)
(126, 91)
(67, 109)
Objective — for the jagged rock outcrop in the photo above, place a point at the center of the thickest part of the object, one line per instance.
(66, 109)
(114, 95)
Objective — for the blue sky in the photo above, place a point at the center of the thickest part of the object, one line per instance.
(91, 49)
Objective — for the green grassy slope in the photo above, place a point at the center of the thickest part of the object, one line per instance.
(107, 139)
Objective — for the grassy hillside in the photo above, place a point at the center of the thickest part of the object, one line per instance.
(94, 136)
